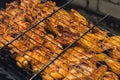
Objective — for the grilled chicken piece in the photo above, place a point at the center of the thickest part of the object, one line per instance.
(80, 71)
(97, 37)
(12, 8)
(115, 54)
(61, 18)
(77, 53)
(22, 62)
(4, 20)
(102, 74)
(64, 19)
(110, 76)
(41, 11)
(40, 56)
(98, 73)
(67, 36)
(114, 65)
(80, 64)
(115, 46)
(115, 40)
(29, 4)
(3, 28)
(98, 32)
(58, 70)
(79, 23)
(111, 45)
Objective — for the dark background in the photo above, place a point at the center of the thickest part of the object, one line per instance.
(3, 2)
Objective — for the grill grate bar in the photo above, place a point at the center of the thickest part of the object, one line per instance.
(33, 26)
(57, 54)
(76, 57)
(39, 61)
(44, 56)
(32, 78)
(27, 59)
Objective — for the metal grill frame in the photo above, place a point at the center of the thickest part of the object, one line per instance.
(64, 50)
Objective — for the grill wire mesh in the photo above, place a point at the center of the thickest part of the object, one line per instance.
(57, 58)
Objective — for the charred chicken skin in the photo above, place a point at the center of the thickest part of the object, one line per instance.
(40, 45)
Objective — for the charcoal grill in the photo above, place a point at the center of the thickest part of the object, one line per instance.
(28, 75)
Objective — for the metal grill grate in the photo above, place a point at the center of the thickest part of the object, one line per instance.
(66, 49)
(57, 55)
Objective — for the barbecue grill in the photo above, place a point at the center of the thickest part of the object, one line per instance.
(27, 73)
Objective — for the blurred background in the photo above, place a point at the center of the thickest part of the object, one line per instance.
(94, 10)
(98, 6)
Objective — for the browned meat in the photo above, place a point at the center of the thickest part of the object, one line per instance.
(38, 46)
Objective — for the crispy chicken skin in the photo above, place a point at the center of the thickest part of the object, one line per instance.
(38, 47)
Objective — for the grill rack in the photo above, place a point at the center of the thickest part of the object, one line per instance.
(63, 50)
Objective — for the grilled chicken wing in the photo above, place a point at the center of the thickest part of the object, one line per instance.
(102, 74)
(80, 64)
(29, 4)
(98, 73)
(115, 46)
(111, 45)
(114, 65)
